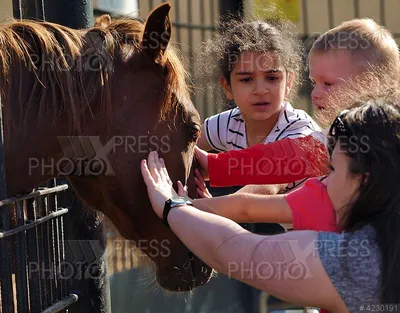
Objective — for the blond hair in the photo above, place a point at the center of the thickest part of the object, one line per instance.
(371, 44)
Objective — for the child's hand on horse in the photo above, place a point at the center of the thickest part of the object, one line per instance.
(158, 182)
(201, 189)
(202, 158)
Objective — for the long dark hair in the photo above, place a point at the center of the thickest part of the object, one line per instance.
(370, 136)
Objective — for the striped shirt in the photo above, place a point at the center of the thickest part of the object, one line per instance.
(226, 131)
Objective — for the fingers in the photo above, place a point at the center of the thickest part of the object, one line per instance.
(202, 190)
(148, 179)
(153, 163)
(164, 173)
(202, 157)
(203, 193)
(182, 190)
(199, 180)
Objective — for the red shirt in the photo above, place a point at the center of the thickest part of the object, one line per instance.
(283, 161)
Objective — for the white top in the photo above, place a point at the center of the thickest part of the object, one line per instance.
(226, 131)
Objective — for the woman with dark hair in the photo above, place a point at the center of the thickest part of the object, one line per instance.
(344, 272)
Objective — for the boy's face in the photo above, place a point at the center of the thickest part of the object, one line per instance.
(328, 71)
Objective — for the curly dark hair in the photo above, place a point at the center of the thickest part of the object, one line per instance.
(279, 36)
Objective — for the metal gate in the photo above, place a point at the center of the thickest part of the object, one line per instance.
(40, 269)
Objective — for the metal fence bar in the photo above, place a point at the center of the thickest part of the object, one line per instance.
(39, 6)
(382, 12)
(32, 224)
(330, 14)
(35, 298)
(306, 28)
(52, 207)
(17, 9)
(7, 301)
(212, 17)
(45, 247)
(356, 8)
(33, 194)
(190, 52)
(60, 256)
(63, 304)
(20, 262)
(40, 252)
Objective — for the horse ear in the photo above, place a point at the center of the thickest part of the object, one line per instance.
(103, 21)
(157, 32)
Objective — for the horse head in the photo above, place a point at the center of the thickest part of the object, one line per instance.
(116, 92)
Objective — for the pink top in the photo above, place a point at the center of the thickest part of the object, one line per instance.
(312, 209)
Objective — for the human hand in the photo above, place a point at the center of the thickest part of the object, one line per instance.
(158, 182)
(201, 189)
(202, 158)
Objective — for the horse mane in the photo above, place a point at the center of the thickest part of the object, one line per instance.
(62, 61)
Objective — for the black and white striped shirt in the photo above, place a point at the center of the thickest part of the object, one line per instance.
(226, 131)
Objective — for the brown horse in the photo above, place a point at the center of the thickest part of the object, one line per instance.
(89, 105)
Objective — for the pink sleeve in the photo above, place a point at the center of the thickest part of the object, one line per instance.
(312, 209)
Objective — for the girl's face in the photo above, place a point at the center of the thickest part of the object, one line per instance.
(341, 184)
(259, 84)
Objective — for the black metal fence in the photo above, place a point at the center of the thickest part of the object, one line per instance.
(33, 252)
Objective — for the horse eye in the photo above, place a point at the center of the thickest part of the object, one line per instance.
(194, 130)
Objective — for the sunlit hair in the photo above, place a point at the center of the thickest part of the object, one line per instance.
(276, 36)
(370, 44)
(365, 86)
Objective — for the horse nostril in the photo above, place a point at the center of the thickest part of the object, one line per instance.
(191, 255)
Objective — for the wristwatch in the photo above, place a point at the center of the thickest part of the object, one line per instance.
(173, 203)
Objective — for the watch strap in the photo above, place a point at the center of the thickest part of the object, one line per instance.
(169, 204)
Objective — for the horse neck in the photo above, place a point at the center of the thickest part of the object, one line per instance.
(34, 150)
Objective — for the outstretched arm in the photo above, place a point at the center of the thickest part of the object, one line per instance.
(280, 162)
(248, 208)
(253, 259)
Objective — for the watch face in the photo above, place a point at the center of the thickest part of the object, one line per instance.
(179, 200)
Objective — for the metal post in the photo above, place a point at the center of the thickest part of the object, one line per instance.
(72, 13)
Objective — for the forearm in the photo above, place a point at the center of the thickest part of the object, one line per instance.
(205, 234)
(248, 208)
(229, 206)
